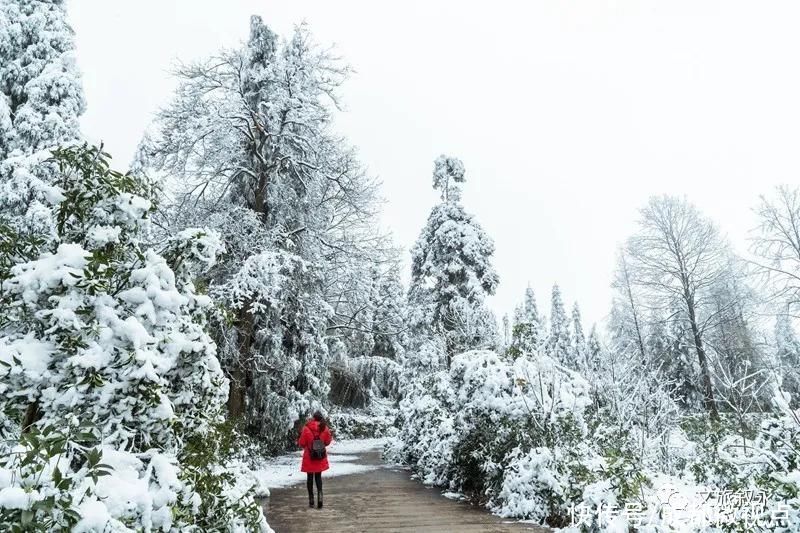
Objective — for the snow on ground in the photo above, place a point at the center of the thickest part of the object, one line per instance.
(284, 470)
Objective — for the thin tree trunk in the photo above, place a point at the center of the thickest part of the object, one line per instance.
(242, 371)
(708, 396)
(633, 310)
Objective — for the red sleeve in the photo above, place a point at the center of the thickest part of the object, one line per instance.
(326, 437)
(303, 440)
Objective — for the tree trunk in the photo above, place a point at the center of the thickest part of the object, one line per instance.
(708, 393)
(634, 313)
(449, 347)
(241, 374)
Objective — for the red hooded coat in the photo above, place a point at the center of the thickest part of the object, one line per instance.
(307, 435)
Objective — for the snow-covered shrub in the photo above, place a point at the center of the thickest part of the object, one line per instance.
(542, 483)
(41, 100)
(778, 445)
(472, 428)
(522, 435)
(765, 460)
(109, 373)
(427, 434)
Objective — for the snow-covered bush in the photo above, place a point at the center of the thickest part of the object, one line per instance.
(767, 459)
(525, 436)
(478, 427)
(778, 445)
(108, 372)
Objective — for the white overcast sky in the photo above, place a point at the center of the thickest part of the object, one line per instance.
(567, 114)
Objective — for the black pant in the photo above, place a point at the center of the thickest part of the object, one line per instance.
(311, 478)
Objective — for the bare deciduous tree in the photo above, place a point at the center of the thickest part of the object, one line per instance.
(676, 257)
(622, 283)
(777, 244)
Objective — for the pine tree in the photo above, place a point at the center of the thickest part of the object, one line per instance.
(451, 271)
(578, 338)
(559, 341)
(41, 99)
(594, 350)
(530, 311)
(528, 332)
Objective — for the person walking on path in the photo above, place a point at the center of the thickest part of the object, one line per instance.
(314, 437)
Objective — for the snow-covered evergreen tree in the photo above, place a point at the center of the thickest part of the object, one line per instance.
(451, 271)
(594, 350)
(448, 174)
(41, 99)
(528, 332)
(578, 338)
(109, 372)
(530, 311)
(389, 319)
(559, 341)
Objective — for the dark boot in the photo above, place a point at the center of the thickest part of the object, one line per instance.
(311, 500)
(319, 499)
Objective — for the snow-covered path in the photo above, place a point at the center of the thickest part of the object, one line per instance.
(364, 495)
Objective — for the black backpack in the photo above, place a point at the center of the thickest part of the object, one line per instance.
(318, 448)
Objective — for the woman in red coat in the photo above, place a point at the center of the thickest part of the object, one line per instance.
(316, 428)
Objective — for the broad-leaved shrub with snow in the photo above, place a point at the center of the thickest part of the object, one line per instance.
(108, 372)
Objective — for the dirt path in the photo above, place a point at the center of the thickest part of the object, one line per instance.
(383, 500)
